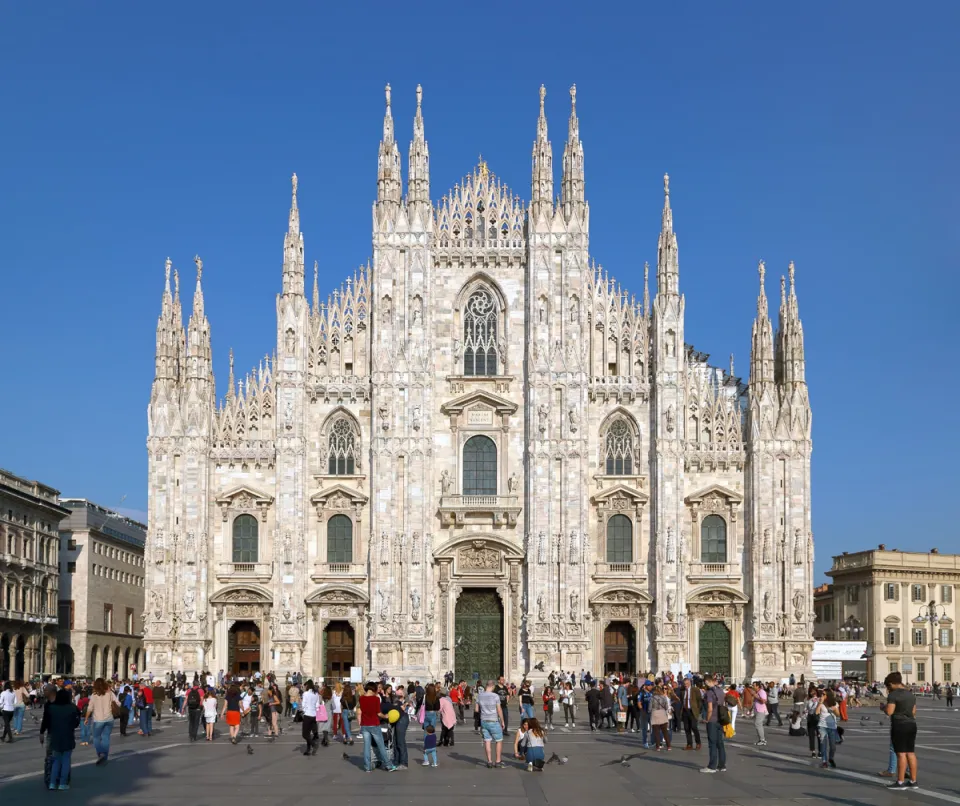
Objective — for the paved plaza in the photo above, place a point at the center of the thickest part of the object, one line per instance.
(166, 768)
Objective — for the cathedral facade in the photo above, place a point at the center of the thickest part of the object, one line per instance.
(480, 454)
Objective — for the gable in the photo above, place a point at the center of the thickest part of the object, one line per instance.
(714, 492)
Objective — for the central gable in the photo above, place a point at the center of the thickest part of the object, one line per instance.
(481, 211)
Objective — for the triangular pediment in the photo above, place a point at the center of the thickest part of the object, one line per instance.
(716, 594)
(499, 404)
(245, 494)
(714, 491)
(632, 494)
(338, 496)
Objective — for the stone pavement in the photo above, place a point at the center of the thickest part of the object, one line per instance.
(166, 769)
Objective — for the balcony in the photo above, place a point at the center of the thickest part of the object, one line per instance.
(714, 572)
(339, 572)
(245, 572)
(604, 572)
(500, 509)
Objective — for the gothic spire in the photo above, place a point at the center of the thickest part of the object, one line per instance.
(316, 288)
(418, 181)
(180, 338)
(761, 348)
(573, 195)
(198, 335)
(668, 263)
(646, 288)
(541, 195)
(293, 248)
(230, 381)
(166, 356)
(388, 168)
(790, 352)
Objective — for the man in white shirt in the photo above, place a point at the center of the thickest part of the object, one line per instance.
(310, 702)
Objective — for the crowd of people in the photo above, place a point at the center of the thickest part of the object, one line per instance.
(656, 707)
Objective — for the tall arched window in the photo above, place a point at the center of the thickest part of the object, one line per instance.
(479, 466)
(343, 448)
(618, 449)
(713, 540)
(480, 333)
(245, 539)
(340, 539)
(619, 540)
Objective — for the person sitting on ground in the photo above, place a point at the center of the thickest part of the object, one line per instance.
(796, 724)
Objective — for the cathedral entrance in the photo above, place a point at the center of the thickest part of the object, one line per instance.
(478, 635)
(338, 650)
(714, 648)
(243, 649)
(619, 647)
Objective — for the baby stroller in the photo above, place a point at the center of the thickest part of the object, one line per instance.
(387, 733)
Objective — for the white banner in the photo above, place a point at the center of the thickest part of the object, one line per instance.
(838, 650)
(828, 669)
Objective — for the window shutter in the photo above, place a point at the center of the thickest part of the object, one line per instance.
(896, 592)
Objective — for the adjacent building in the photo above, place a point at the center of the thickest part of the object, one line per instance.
(101, 591)
(903, 604)
(29, 518)
(481, 453)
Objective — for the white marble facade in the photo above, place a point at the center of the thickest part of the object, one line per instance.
(480, 408)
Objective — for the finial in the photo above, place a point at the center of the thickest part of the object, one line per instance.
(573, 97)
(666, 184)
(231, 359)
(762, 268)
(543, 95)
(196, 259)
(176, 282)
(731, 365)
(419, 96)
(783, 289)
(387, 91)
(791, 269)
(166, 269)
(316, 269)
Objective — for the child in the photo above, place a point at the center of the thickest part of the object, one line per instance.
(796, 725)
(210, 712)
(430, 747)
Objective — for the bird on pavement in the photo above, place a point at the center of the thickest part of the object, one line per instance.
(346, 757)
(554, 758)
(249, 749)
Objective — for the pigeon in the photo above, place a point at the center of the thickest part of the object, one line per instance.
(564, 760)
(624, 764)
(554, 758)
(346, 757)
(271, 739)
(249, 749)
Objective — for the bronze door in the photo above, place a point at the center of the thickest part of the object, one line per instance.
(619, 647)
(715, 648)
(478, 631)
(338, 655)
(243, 649)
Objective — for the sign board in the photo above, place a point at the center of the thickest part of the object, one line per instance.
(907, 667)
(828, 669)
(356, 674)
(480, 417)
(838, 650)
(675, 669)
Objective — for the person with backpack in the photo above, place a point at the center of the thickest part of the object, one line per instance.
(194, 710)
(145, 704)
(717, 717)
(62, 720)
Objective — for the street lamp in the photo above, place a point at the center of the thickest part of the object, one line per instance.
(852, 628)
(929, 615)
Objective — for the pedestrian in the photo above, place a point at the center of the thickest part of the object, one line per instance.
(503, 692)
(370, 719)
(325, 715)
(399, 728)
(691, 705)
(714, 700)
(828, 712)
(810, 706)
(773, 702)
(732, 701)
(194, 710)
(310, 702)
(349, 704)
(448, 720)
(901, 707)
(231, 711)
(492, 724)
(8, 706)
(102, 710)
(430, 746)
(430, 707)
(336, 704)
(276, 708)
(82, 703)
(23, 697)
(159, 698)
(949, 694)
(568, 701)
(125, 698)
(760, 709)
(533, 740)
(63, 719)
(526, 699)
(593, 705)
(549, 703)
(210, 712)
(660, 717)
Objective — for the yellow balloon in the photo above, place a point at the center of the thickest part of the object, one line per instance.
(393, 716)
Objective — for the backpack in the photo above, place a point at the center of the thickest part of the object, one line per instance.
(193, 699)
(723, 715)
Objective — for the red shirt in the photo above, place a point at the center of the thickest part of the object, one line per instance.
(147, 695)
(369, 711)
(455, 694)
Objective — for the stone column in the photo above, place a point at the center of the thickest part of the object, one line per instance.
(737, 663)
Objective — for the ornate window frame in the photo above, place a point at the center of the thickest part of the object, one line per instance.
(620, 500)
(339, 499)
(716, 500)
(480, 282)
(326, 430)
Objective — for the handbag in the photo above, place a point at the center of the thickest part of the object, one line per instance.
(321, 713)
(423, 713)
(114, 708)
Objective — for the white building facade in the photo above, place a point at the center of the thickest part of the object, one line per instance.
(480, 454)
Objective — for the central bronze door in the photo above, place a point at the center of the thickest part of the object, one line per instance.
(619, 647)
(478, 635)
(715, 648)
(243, 649)
(338, 649)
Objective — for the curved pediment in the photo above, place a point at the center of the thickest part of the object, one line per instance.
(338, 593)
(242, 594)
(620, 594)
(244, 495)
(478, 543)
(714, 491)
(479, 396)
(892, 620)
(716, 594)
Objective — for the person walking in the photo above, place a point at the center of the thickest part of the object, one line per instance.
(949, 692)
(325, 714)
(714, 700)
(901, 707)
(760, 710)
(568, 701)
(159, 698)
(230, 711)
(448, 720)
(8, 706)
(773, 702)
(63, 718)
(810, 706)
(194, 710)
(593, 705)
(659, 717)
(828, 712)
(310, 702)
(348, 703)
(526, 699)
(430, 707)
(102, 710)
(210, 712)
(492, 724)
(549, 703)
(691, 707)
(20, 692)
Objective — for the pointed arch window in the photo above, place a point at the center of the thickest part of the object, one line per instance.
(618, 449)
(343, 448)
(619, 540)
(713, 540)
(479, 466)
(340, 539)
(245, 539)
(480, 324)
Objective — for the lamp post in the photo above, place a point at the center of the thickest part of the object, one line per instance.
(930, 616)
(852, 630)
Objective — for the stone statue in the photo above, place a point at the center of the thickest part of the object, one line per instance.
(671, 551)
(383, 412)
(670, 419)
(415, 604)
(301, 624)
(446, 482)
(457, 348)
(158, 548)
(415, 549)
(574, 547)
(156, 604)
(798, 607)
(542, 548)
(767, 548)
(574, 606)
(174, 625)
(190, 548)
(285, 606)
(383, 604)
(573, 418)
(415, 418)
(287, 548)
(671, 606)
(189, 604)
(682, 626)
(541, 606)
(290, 342)
(797, 548)
(781, 549)
(384, 548)
(767, 613)
(782, 624)
(542, 412)
(513, 483)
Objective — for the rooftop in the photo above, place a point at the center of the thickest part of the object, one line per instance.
(32, 488)
(105, 521)
(882, 557)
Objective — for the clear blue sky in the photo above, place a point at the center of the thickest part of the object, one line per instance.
(826, 134)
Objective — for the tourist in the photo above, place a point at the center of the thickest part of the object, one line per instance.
(448, 720)
(231, 711)
(336, 704)
(623, 704)
(310, 702)
(549, 703)
(194, 710)
(901, 707)
(533, 740)
(713, 699)
(325, 715)
(145, 706)
(593, 705)
(747, 699)
(62, 720)
(732, 701)
(949, 693)
(370, 719)
(660, 717)
(643, 700)
(828, 712)
(760, 709)
(520, 739)
(82, 703)
(159, 697)
(430, 707)
(398, 731)
(210, 712)
(526, 699)
(276, 708)
(492, 723)
(503, 692)
(456, 697)
(430, 746)
(568, 701)
(810, 706)
(796, 721)
(348, 702)
(773, 702)
(23, 697)
(691, 707)
(8, 706)
(101, 711)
